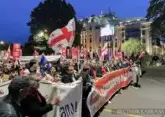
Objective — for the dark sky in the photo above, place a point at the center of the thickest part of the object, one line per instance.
(15, 13)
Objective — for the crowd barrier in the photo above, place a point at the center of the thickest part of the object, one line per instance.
(70, 95)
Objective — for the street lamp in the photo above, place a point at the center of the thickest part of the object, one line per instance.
(45, 30)
(41, 34)
(1, 42)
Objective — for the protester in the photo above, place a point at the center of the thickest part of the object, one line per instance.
(34, 105)
(33, 66)
(68, 74)
(136, 75)
(87, 81)
(67, 71)
(14, 72)
(5, 75)
(58, 66)
(92, 71)
(87, 85)
(53, 75)
(18, 90)
(99, 70)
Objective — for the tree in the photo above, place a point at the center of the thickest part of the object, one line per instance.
(156, 13)
(132, 47)
(47, 17)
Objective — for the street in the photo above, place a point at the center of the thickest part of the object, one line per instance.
(150, 96)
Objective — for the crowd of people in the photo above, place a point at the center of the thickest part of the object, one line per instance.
(24, 99)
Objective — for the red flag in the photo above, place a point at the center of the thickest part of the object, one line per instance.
(74, 53)
(141, 55)
(16, 51)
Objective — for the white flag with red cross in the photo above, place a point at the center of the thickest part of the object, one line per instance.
(62, 38)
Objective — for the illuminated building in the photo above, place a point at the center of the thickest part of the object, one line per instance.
(97, 30)
(90, 37)
(137, 28)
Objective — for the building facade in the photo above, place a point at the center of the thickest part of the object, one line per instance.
(90, 37)
(95, 32)
(137, 28)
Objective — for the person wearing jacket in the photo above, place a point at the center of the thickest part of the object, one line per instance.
(18, 90)
(35, 105)
(87, 86)
(68, 75)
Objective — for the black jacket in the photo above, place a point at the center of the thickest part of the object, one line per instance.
(87, 85)
(9, 108)
(67, 79)
(33, 107)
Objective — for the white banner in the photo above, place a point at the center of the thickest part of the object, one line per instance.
(49, 58)
(4, 89)
(70, 96)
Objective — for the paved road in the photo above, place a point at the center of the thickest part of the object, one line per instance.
(150, 96)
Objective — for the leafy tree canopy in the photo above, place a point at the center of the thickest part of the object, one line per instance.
(46, 17)
(132, 47)
(156, 13)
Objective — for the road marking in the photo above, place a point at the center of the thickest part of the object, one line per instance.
(129, 115)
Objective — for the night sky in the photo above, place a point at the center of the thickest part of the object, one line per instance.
(16, 13)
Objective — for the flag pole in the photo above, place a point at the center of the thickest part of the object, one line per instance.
(78, 59)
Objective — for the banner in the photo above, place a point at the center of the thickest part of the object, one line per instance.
(16, 51)
(49, 58)
(106, 87)
(4, 89)
(74, 53)
(70, 96)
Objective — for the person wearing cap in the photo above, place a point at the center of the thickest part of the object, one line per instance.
(18, 90)
(35, 105)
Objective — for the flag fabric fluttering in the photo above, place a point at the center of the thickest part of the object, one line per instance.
(44, 66)
(43, 60)
(7, 53)
(104, 52)
(141, 54)
(62, 38)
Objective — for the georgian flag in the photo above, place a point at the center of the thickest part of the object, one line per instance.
(61, 38)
